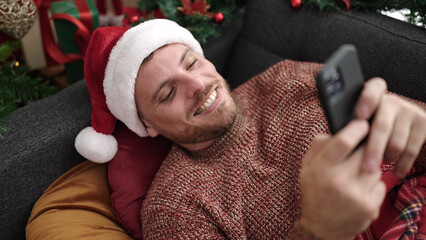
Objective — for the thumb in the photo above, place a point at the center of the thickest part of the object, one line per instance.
(319, 142)
(345, 141)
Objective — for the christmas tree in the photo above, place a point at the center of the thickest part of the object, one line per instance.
(17, 87)
(416, 8)
(201, 17)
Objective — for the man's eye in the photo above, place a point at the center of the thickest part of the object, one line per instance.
(192, 64)
(169, 95)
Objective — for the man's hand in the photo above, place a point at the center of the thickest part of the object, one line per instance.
(341, 188)
(339, 199)
(398, 130)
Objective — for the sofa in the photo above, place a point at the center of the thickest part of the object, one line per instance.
(39, 145)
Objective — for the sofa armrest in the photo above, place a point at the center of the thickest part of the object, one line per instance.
(37, 149)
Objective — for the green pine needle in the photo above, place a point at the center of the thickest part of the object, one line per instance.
(147, 5)
(202, 27)
(7, 48)
(18, 89)
(169, 8)
(417, 8)
(5, 110)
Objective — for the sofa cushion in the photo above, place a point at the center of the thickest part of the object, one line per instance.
(131, 172)
(76, 206)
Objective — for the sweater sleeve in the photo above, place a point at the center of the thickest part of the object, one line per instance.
(164, 223)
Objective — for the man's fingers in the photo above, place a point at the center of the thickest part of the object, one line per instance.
(373, 194)
(399, 137)
(378, 193)
(415, 142)
(370, 98)
(317, 145)
(381, 129)
(345, 141)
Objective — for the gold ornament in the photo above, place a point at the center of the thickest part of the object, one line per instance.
(17, 17)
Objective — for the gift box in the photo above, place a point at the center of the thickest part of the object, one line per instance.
(74, 21)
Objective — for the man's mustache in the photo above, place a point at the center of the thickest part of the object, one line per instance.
(200, 97)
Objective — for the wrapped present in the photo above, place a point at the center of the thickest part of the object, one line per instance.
(74, 21)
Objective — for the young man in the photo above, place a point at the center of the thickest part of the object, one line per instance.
(251, 164)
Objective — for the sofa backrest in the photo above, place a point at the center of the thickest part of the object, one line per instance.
(36, 150)
(388, 48)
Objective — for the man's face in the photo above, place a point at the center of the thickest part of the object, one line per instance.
(181, 96)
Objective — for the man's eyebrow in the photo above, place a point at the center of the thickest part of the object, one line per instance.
(164, 83)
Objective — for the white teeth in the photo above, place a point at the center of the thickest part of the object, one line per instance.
(207, 104)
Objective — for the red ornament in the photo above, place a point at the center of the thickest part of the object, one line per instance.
(133, 19)
(218, 17)
(296, 3)
(348, 4)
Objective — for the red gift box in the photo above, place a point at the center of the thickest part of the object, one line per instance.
(82, 20)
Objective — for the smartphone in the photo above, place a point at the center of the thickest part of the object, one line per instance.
(339, 84)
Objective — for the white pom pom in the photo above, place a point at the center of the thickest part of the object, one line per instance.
(94, 146)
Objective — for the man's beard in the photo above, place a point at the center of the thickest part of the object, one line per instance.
(197, 134)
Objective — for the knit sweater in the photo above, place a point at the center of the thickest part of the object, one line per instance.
(246, 184)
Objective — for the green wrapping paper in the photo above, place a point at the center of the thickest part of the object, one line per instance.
(65, 32)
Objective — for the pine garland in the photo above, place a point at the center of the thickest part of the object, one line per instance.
(416, 15)
(17, 87)
(201, 24)
(5, 110)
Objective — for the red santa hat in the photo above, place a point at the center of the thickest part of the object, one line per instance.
(112, 62)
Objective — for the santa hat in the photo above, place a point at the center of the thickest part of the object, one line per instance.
(112, 62)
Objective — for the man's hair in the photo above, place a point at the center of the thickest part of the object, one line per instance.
(140, 115)
(149, 57)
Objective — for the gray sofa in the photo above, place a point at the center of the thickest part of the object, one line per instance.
(39, 146)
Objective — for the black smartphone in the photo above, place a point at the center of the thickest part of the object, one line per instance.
(339, 84)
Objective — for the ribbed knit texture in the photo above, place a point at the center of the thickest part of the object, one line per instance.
(246, 185)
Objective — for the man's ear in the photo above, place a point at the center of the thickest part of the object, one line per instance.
(152, 132)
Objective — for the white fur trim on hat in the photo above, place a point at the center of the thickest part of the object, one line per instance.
(127, 56)
(94, 146)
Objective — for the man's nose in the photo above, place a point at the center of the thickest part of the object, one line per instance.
(193, 84)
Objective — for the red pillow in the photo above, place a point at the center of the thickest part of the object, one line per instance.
(131, 172)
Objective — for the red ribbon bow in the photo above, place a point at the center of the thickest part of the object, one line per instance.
(81, 36)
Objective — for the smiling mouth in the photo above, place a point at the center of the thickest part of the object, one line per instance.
(207, 103)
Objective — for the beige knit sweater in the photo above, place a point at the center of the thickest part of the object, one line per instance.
(246, 185)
